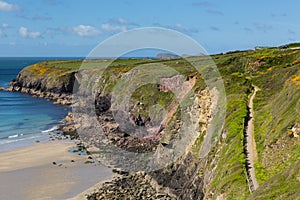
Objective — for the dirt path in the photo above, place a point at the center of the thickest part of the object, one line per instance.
(250, 145)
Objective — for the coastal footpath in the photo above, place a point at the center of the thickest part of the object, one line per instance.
(222, 174)
(250, 146)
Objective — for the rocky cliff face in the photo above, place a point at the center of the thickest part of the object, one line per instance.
(46, 82)
(180, 180)
(61, 84)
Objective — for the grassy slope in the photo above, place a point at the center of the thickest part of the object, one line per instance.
(230, 174)
(284, 185)
(276, 110)
(270, 69)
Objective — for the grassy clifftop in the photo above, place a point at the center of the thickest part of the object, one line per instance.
(49, 76)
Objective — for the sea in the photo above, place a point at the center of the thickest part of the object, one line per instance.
(25, 120)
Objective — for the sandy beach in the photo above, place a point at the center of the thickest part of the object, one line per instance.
(47, 171)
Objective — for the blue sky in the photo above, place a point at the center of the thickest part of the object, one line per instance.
(75, 27)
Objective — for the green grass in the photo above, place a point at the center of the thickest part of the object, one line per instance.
(284, 185)
(148, 96)
(230, 175)
(66, 64)
(272, 123)
(293, 45)
(274, 114)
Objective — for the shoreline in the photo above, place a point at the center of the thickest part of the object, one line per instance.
(54, 132)
(48, 171)
(22, 141)
(64, 130)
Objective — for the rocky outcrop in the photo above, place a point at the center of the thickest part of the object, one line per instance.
(69, 126)
(60, 83)
(45, 82)
(296, 131)
(135, 186)
(57, 98)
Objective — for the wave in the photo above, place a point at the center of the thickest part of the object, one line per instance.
(15, 136)
(54, 128)
(17, 140)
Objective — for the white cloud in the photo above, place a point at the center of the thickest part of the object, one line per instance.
(119, 21)
(85, 30)
(112, 27)
(117, 25)
(122, 21)
(4, 6)
(5, 25)
(23, 32)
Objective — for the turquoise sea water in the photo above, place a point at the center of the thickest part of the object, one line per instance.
(24, 119)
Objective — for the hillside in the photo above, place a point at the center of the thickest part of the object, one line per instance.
(222, 174)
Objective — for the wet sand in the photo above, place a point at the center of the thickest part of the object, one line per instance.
(29, 173)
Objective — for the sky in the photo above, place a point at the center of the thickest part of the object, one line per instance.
(62, 28)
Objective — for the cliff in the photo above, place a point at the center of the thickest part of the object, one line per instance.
(50, 80)
(222, 174)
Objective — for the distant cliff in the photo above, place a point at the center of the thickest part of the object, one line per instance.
(166, 56)
(46, 78)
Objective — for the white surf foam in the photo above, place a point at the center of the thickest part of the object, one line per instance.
(15, 136)
(54, 128)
